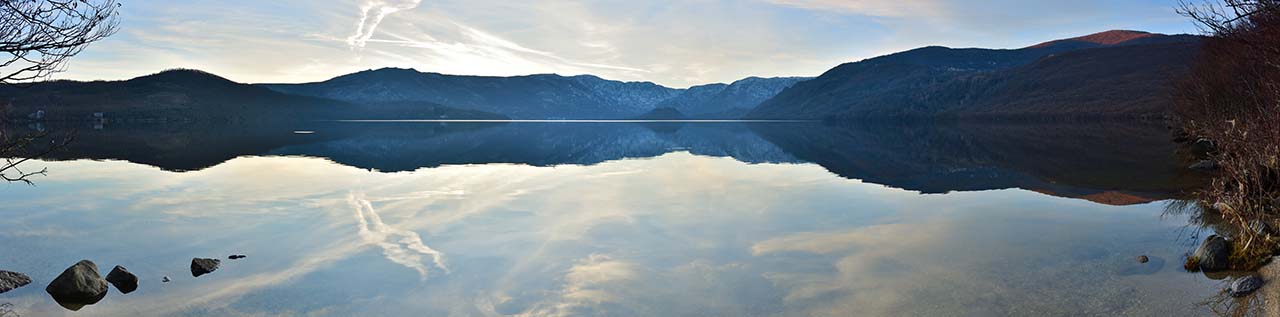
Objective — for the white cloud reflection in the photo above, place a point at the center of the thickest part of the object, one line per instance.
(403, 247)
(673, 235)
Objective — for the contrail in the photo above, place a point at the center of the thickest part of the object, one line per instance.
(371, 14)
(403, 247)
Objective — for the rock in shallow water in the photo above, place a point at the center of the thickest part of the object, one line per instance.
(78, 285)
(1245, 285)
(1205, 165)
(124, 280)
(1153, 265)
(1213, 253)
(12, 280)
(203, 266)
(1204, 147)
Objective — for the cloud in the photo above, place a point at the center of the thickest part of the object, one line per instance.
(403, 247)
(371, 14)
(676, 43)
(879, 8)
(591, 282)
(694, 234)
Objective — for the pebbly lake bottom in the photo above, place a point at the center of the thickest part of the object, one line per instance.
(755, 231)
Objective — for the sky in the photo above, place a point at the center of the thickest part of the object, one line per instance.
(676, 43)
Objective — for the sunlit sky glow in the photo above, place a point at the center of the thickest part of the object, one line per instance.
(676, 43)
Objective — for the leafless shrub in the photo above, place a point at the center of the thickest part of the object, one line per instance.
(1233, 98)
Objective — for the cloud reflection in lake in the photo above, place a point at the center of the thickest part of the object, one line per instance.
(676, 234)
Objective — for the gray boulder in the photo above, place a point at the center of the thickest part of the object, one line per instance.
(1245, 285)
(78, 285)
(1204, 146)
(123, 280)
(203, 266)
(1205, 165)
(1213, 253)
(12, 280)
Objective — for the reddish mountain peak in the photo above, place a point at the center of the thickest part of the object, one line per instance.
(1112, 37)
(1113, 198)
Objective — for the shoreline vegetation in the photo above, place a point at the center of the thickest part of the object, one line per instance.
(1228, 111)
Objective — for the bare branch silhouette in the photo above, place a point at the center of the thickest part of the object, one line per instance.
(37, 38)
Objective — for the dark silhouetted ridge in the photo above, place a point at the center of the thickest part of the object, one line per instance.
(541, 96)
(1110, 74)
(186, 95)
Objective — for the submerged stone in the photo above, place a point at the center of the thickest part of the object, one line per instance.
(1204, 146)
(1146, 266)
(12, 280)
(123, 280)
(78, 286)
(203, 266)
(1213, 253)
(1205, 165)
(1245, 285)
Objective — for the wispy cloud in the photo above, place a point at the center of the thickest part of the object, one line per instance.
(403, 247)
(672, 42)
(880, 8)
(371, 14)
(590, 282)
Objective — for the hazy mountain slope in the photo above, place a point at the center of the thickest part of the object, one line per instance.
(693, 97)
(190, 95)
(935, 81)
(520, 97)
(720, 101)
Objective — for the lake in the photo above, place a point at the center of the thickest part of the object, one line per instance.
(615, 219)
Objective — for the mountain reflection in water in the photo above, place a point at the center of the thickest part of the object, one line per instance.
(658, 219)
(1112, 163)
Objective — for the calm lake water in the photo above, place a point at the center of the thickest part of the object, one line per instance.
(614, 219)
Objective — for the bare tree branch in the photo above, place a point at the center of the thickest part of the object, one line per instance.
(37, 37)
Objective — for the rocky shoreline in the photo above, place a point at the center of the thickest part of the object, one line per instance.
(82, 285)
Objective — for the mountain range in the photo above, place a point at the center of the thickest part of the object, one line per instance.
(1111, 74)
(519, 97)
(727, 101)
(190, 95)
(544, 96)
